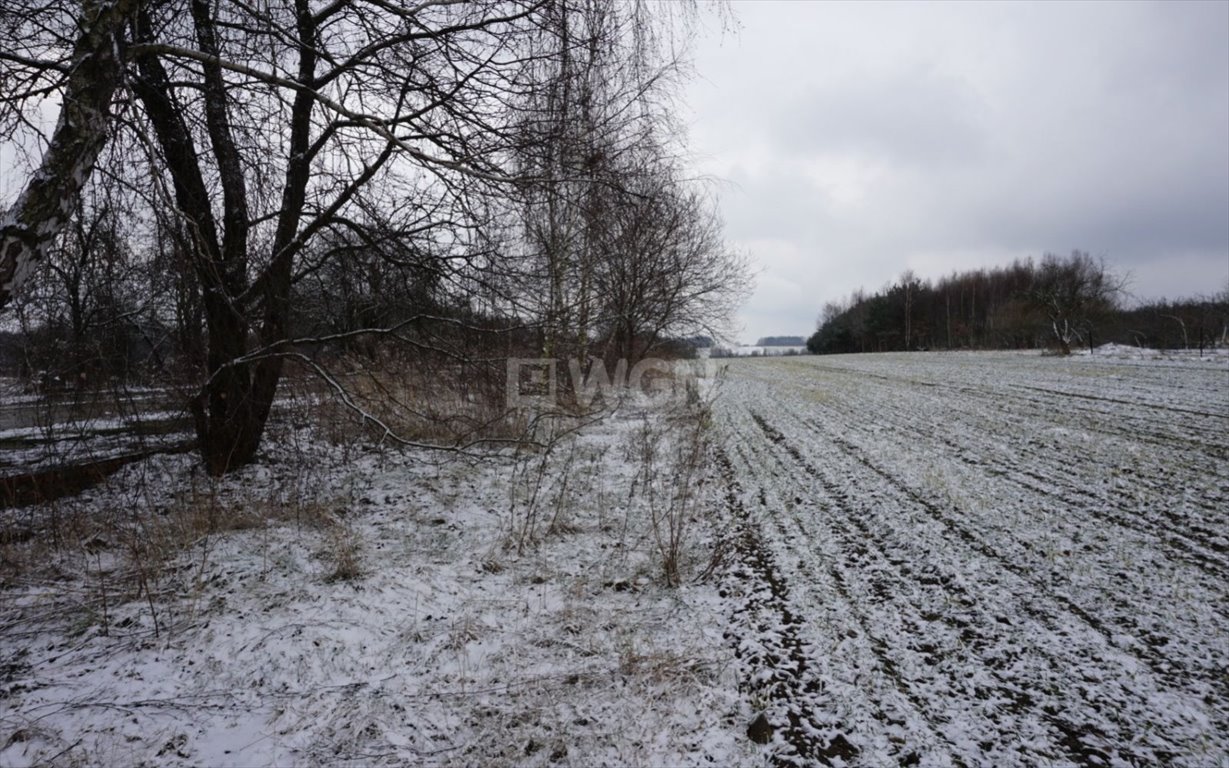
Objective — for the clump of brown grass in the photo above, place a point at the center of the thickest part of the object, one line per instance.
(343, 550)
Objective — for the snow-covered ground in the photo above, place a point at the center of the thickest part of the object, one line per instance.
(983, 559)
(1124, 352)
(921, 559)
(40, 432)
(338, 605)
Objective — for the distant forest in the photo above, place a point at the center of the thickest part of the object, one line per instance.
(780, 341)
(1060, 302)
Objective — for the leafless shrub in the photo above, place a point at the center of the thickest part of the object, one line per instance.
(671, 458)
(671, 506)
(411, 400)
(533, 475)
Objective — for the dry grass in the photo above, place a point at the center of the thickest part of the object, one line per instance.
(671, 458)
(447, 405)
(84, 562)
(343, 550)
(155, 549)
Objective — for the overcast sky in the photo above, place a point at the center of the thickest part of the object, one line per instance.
(854, 141)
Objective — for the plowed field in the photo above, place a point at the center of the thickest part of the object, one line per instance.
(974, 559)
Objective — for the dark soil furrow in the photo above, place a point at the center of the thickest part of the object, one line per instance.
(974, 626)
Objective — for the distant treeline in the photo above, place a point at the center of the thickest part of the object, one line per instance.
(1058, 302)
(780, 341)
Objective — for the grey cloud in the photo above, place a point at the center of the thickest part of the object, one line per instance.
(865, 139)
(911, 119)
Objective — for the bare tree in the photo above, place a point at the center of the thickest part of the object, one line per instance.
(1220, 303)
(1073, 292)
(589, 128)
(666, 269)
(281, 136)
(274, 123)
(89, 302)
(909, 284)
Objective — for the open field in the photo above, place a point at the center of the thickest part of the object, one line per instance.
(925, 559)
(982, 559)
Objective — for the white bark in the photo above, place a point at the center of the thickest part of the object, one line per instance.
(46, 204)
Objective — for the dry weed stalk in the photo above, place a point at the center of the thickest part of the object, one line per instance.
(672, 460)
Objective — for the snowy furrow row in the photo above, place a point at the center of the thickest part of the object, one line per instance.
(1014, 620)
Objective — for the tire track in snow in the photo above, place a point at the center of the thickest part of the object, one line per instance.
(959, 415)
(1077, 520)
(913, 736)
(929, 727)
(1055, 484)
(1135, 421)
(1162, 666)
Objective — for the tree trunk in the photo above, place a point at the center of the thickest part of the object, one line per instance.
(228, 422)
(231, 411)
(227, 432)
